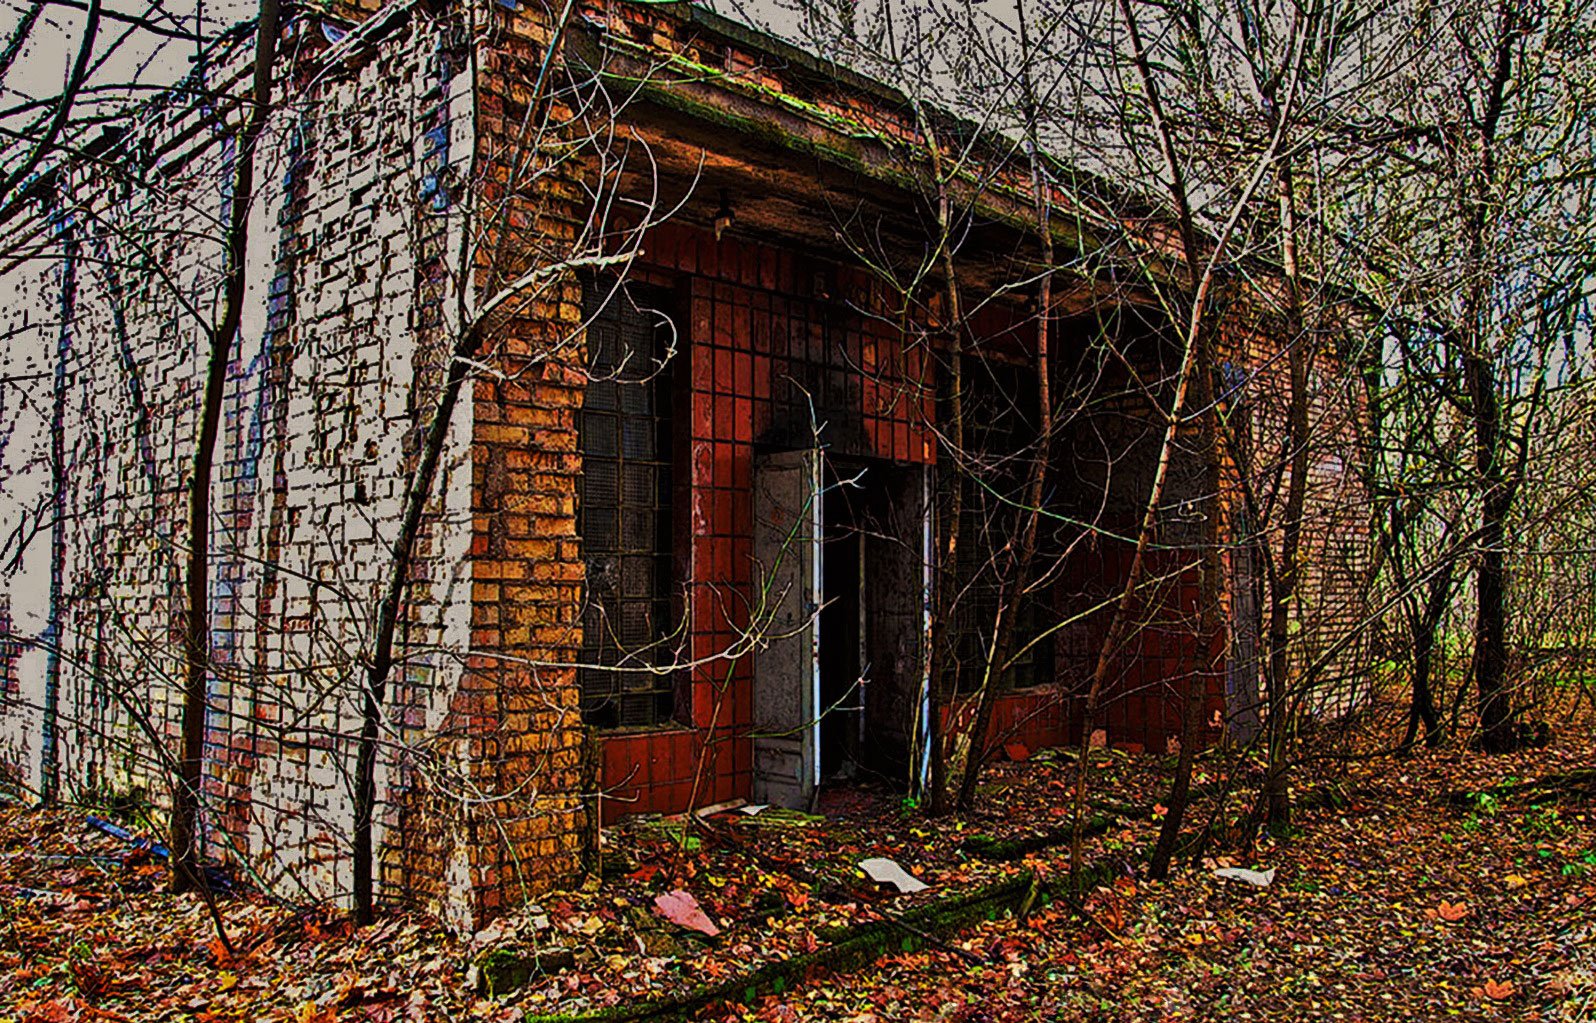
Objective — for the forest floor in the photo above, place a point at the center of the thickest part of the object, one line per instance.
(1388, 901)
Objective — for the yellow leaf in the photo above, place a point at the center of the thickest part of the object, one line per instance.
(310, 1012)
(1517, 880)
(226, 981)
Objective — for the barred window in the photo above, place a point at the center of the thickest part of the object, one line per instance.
(624, 511)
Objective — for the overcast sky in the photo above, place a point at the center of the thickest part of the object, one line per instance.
(121, 52)
(124, 52)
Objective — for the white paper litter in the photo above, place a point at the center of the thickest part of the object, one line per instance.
(710, 811)
(1260, 878)
(752, 809)
(884, 871)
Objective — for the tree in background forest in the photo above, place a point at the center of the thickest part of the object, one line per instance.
(1462, 193)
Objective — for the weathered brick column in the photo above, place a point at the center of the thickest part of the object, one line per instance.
(518, 699)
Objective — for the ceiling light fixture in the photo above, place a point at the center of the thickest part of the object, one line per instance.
(723, 216)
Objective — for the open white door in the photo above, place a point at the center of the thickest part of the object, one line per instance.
(787, 534)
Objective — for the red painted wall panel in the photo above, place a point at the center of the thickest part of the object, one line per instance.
(759, 345)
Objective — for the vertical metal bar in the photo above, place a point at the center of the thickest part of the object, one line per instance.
(861, 537)
(927, 574)
(817, 549)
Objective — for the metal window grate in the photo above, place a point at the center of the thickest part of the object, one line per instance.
(623, 514)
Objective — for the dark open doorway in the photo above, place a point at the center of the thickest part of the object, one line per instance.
(871, 621)
(841, 631)
(839, 694)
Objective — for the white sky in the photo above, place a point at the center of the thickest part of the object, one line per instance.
(126, 53)
(122, 52)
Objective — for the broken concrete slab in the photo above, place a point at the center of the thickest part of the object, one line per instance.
(500, 971)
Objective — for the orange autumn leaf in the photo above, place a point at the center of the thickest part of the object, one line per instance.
(1498, 992)
(1452, 912)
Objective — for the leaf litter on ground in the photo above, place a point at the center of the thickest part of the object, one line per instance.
(1384, 905)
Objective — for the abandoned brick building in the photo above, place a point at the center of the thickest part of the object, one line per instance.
(681, 543)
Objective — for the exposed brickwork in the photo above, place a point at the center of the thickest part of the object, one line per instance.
(518, 702)
(340, 357)
(1333, 599)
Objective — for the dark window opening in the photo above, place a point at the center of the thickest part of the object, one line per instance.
(624, 511)
(1000, 415)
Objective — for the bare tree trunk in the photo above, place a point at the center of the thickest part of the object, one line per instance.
(944, 684)
(50, 738)
(389, 612)
(186, 874)
(1284, 581)
(1209, 626)
(82, 67)
(1190, 366)
(1425, 626)
(942, 642)
(1490, 623)
(1011, 601)
(19, 35)
(1196, 375)
(1485, 410)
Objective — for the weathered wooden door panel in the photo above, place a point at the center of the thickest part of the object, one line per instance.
(787, 533)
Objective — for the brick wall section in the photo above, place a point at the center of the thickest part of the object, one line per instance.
(322, 432)
(341, 355)
(519, 702)
(1334, 591)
